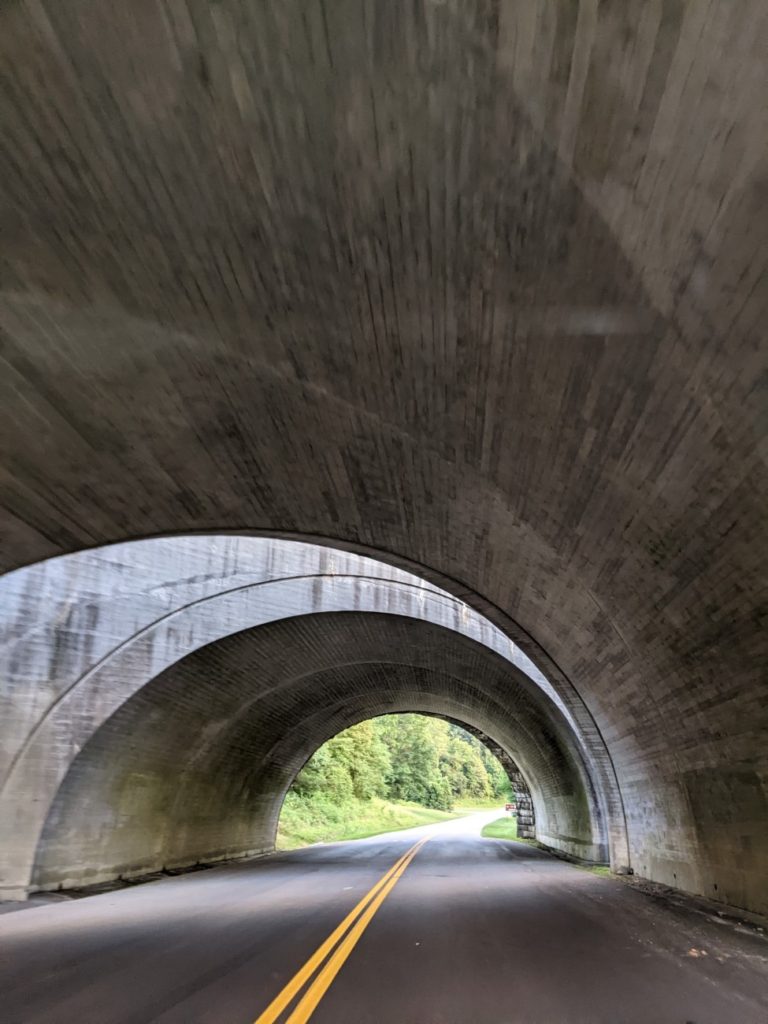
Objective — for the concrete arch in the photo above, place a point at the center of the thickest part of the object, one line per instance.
(194, 766)
(514, 334)
(118, 617)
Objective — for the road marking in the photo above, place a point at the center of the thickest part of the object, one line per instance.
(372, 900)
(320, 985)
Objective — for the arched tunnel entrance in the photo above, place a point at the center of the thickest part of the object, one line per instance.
(370, 356)
(401, 770)
(191, 678)
(195, 767)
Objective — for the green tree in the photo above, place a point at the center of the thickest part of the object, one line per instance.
(365, 758)
(353, 763)
(415, 745)
(409, 757)
(463, 766)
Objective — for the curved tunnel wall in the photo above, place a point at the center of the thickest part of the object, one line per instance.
(194, 767)
(119, 617)
(515, 334)
(81, 633)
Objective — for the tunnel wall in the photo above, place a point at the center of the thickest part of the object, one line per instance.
(75, 621)
(194, 767)
(116, 618)
(514, 334)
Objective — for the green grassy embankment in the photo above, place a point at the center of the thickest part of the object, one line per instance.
(304, 822)
(502, 828)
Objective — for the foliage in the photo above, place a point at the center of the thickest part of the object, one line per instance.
(412, 758)
(355, 763)
(392, 772)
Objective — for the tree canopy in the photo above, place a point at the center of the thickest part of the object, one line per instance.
(403, 757)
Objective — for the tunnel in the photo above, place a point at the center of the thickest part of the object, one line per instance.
(147, 794)
(188, 679)
(192, 678)
(366, 357)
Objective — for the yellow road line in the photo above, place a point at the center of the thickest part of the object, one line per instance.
(279, 1003)
(320, 985)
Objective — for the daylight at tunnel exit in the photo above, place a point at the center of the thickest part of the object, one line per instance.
(383, 512)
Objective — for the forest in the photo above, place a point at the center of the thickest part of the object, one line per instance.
(389, 772)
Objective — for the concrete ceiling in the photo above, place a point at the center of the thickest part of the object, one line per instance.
(477, 285)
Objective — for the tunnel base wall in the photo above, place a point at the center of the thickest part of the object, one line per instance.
(573, 849)
(79, 877)
(85, 878)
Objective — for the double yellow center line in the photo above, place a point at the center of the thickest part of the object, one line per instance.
(336, 949)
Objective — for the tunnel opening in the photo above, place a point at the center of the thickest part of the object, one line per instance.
(398, 771)
(545, 388)
(194, 767)
(182, 683)
(452, 315)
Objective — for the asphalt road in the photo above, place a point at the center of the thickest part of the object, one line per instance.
(468, 931)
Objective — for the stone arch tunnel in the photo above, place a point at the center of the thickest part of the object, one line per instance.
(361, 357)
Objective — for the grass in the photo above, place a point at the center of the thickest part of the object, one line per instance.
(502, 828)
(304, 822)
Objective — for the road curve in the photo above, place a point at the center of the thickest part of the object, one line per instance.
(466, 931)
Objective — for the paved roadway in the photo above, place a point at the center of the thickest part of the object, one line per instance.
(471, 931)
